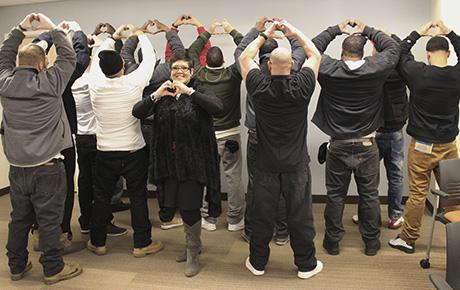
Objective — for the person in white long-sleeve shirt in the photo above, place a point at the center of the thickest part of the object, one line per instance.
(120, 146)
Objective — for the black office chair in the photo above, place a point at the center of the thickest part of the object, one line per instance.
(447, 195)
(452, 280)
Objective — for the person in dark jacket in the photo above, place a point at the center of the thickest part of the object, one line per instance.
(80, 46)
(350, 111)
(184, 150)
(390, 141)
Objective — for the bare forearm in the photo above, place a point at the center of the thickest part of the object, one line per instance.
(251, 50)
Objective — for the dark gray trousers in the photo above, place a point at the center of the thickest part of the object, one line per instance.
(37, 193)
(296, 188)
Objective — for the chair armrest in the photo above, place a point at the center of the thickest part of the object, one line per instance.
(439, 282)
(439, 192)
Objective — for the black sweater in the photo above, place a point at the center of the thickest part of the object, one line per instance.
(351, 101)
(184, 143)
(434, 94)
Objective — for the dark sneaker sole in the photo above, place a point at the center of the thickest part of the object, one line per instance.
(403, 249)
(117, 234)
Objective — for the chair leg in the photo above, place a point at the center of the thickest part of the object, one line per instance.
(433, 222)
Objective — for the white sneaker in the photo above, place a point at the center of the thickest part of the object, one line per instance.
(253, 270)
(207, 225)
(402, 245)
(236, 227)
(309, 274)
(355, 219)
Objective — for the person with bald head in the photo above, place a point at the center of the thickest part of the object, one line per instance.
(350, 110)
(281, 105)
(34, 132)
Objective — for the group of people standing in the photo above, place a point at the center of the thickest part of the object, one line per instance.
(176, 124)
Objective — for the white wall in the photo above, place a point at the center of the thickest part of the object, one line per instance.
(311, 17)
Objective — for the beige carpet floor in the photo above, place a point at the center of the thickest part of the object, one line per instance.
(223, 261)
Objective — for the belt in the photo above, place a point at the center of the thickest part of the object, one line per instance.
(351, 141)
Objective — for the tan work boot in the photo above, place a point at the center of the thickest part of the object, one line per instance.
(19, 276)
(102, 250)
(153, 248)
(69, 271)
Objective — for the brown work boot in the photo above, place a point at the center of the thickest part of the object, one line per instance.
(102, 250)
(69, 271)
(153, 248)
(20, 275)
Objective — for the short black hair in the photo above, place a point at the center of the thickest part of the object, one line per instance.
(214, 57)
(353, 45)
(437, 43)
(177, 56)
(268, 46)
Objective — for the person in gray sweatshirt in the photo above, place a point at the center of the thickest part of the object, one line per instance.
(34, 131)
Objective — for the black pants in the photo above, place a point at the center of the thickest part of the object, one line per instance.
(87, 150)
(37, 194)
(186, 196)
(133, 167)
(281, 228)
(69, 164)
(296, 188)
(363, 161)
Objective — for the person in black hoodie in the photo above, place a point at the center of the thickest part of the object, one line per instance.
(184, 151)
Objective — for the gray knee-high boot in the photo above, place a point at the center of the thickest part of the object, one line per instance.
(193, 246)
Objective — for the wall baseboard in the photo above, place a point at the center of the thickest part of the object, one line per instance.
(4, 191)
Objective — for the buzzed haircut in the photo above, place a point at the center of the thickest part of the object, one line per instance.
(214, 57)
(437, 43)
(180, 56)
(268, 46)
(31, 55)
(353, 46)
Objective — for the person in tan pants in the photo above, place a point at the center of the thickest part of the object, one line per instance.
(433, 120)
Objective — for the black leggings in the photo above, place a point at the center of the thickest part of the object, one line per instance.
(187, 196)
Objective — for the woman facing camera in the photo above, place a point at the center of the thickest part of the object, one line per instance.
(184, 151)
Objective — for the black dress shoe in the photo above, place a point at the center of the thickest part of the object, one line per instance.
(372, 247)
(332, 248)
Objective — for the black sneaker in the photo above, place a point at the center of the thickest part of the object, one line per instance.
(114, 231)
(120, 206)
(372, 247)
(332, 248)
(281, 241)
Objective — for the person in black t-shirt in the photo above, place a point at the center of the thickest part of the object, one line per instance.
(433, 120)
(350, 111)
(281, 105)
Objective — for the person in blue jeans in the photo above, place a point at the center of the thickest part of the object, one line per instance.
(390, 141)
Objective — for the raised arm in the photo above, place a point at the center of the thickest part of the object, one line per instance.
(10, 46)
(80, 46)
(298, 53)
(144, 72)
(453, 37)
(389, 50)
(323, 39)
(310, 50)
(248, 38)
(64, 65)
(127, 53)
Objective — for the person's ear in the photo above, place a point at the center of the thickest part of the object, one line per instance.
(448, 53)
(269, 63)
(191, 71)
(428, 56)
